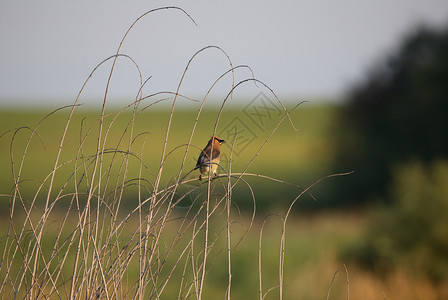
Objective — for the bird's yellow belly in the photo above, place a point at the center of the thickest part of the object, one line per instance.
(205, 168)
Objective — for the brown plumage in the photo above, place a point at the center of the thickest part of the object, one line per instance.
(210, 151)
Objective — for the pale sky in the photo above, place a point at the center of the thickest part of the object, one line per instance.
(300, 49)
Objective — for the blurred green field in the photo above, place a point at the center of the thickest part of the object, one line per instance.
(31, 139)
(313, 239)
(298, 157)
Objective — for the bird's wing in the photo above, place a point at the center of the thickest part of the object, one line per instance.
(201, 159)
(204, 157)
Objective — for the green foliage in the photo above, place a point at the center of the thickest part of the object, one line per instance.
(413, 232)
(398, 113)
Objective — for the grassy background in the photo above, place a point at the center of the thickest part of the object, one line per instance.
(299, 158)
(313, 239)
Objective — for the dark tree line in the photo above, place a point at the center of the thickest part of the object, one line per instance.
(395, 137)
(399, 113)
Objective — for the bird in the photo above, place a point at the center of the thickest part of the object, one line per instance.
(210, 151)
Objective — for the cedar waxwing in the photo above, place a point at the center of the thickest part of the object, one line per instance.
(211, 150)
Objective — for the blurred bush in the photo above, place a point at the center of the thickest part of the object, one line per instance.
(412, 233)
(398, 113)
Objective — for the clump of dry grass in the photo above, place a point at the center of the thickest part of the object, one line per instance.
(75, 239)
